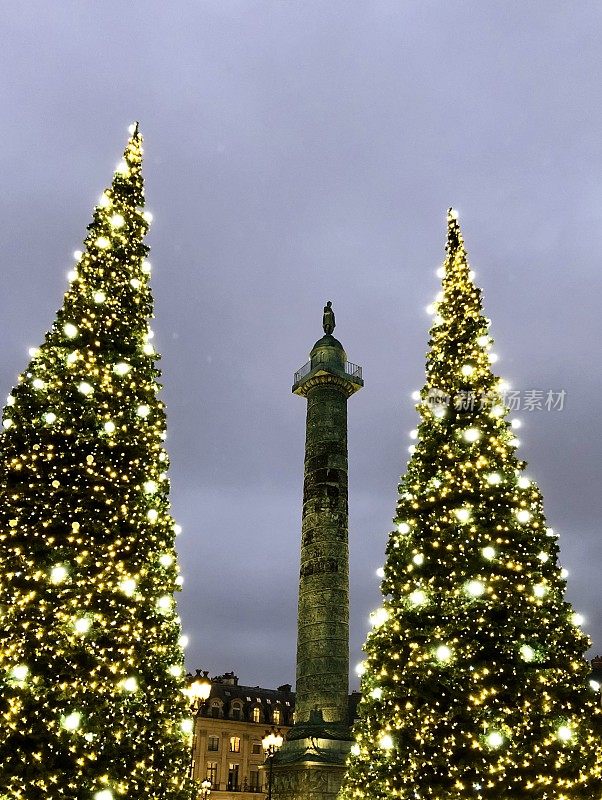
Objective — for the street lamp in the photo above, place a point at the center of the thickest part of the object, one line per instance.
(271, 742)
(205, 789)
(197, 691)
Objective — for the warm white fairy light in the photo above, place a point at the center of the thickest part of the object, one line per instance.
(418, 597)
(475, 588)
(462, 514)
(72, 721)
(82, 624)
(58, 573)
(128, 586)
(443, 653)
(495, 739)
(379, 617)
(121, 368)
(527, 652)
(20, 672)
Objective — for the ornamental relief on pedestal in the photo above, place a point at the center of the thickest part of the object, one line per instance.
(308, 784)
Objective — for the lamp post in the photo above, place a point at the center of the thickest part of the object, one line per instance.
(198, 692)
(271, 742)
(205, 789)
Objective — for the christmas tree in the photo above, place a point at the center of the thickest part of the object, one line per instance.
(475, 683)
(91, 663)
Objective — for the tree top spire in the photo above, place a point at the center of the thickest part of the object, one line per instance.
(454, 234)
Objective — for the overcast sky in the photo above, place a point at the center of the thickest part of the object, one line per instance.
(300, 151)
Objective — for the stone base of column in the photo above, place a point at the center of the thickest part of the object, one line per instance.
(309, 769)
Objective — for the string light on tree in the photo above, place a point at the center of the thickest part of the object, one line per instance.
(91, 658)
(474, 682)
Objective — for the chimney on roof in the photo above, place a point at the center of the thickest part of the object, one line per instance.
(229, 678)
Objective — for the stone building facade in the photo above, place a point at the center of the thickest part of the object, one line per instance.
(228, 731)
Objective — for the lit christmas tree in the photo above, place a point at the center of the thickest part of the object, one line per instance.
(91, 663)
(475, 683)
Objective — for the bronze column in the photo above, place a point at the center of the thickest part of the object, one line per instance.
(310, 765)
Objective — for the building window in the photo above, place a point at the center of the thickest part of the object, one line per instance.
(235, 745)
(256, 714)
(212, 773)
(256, 748)
(233, 776)
(235, 712)
(213, 744)
(277, 716)
(254, 780)
(216, 710)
